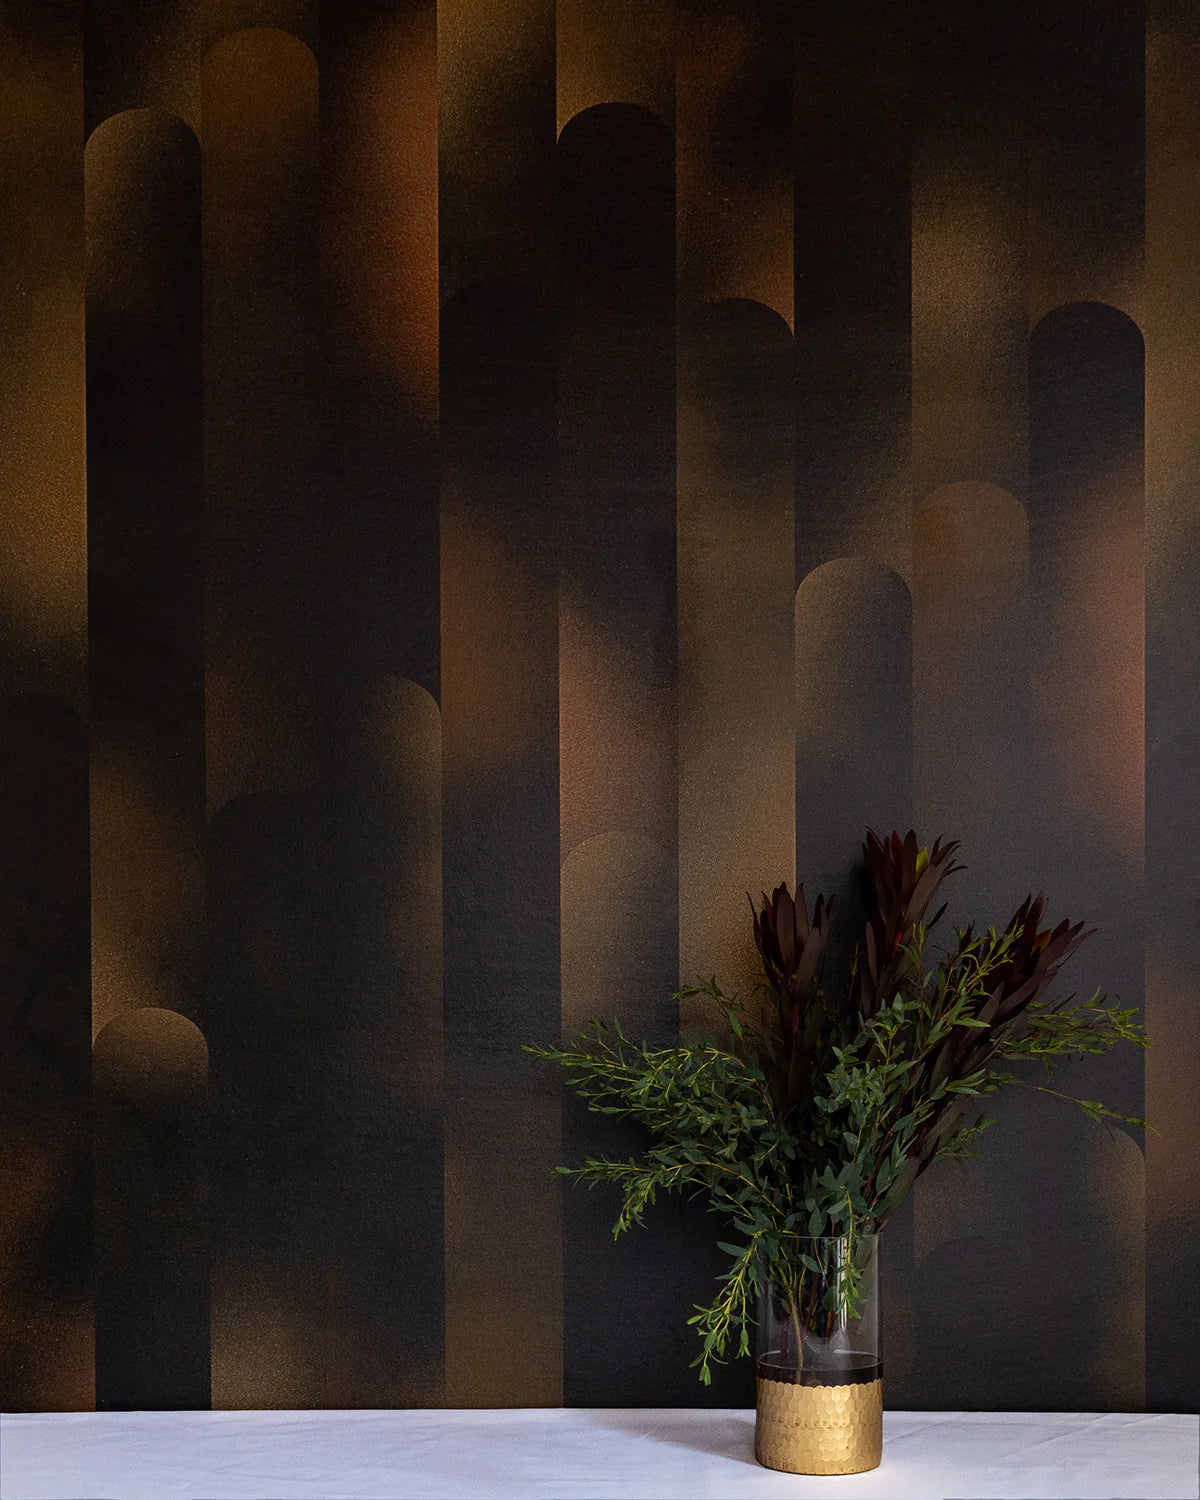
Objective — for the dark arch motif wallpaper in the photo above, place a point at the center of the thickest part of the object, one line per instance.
(484, 486)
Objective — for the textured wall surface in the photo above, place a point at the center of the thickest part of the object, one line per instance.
(485, 484)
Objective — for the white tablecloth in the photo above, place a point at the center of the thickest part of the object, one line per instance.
(578, 1455)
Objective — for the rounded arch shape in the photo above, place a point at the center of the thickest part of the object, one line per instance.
(149, 1051)
(258, 57)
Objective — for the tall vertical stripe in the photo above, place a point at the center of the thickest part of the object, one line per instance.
(46, 1307)
(1086, 182)
(501, 869)
(736, 768)
(853, 283)
(1086, 555)
(970, 747)
(499, 681)
(145, 563)
(382, 795)
(733, 123)
(267, 995)
(617, 754)
(150, 1074)
(1172, 326)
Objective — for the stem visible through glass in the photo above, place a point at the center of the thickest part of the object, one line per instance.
(799, 1332)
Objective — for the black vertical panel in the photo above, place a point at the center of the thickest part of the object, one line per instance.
(853, 260)
(853, 730)
(970, 82)
(1086, 547)
(269, 987)
(733, 113)
(1086, 178)
(971, 749)
(43, 513)
(145, 556)
(736, 596)
(617, 472)
(616, 209)
(380, 331)
(264, 624)
(45, 1057)
(46, 1276)
(1172, 327)
(383, 1132)
(496, 134)
(150, 1075)
(146, 682)
(263, 1021)
(970, 114)
(853, 771)
(501, 849)
(736, 606)
(119, 39)
(497, 269)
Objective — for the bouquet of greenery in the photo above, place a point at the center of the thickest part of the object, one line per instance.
(815, 1114)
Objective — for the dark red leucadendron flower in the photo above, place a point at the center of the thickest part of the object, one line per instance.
(904, 879)
(792, 949)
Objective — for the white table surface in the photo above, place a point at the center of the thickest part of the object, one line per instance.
(578, 1454)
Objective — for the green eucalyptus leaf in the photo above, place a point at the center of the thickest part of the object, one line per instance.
(830, 1133)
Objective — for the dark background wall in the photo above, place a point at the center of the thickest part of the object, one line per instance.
(482, 488)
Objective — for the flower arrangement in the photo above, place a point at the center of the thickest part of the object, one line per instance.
(816, 1113)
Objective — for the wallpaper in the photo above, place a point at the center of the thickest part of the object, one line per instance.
(486, 485)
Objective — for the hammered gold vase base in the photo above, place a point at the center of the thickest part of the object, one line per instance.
(819, 1429)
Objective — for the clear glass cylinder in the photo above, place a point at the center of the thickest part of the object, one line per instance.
(819, 1385)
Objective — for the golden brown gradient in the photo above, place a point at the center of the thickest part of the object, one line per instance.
(147, 889)
(128, 269)
(969, 256)
(1089, 677)
(734, 195)
(613, 927)
(1172, 326)
(615, 51)
(839, 639)
(969, 329)
(503, 1280)
(616, 772)
(1094, 1257)
(361, 498)
(52, 1345)
(155, 58)
(267, 1352)
(391, 1057)
(970, 697)
(736, 582)
(382, 219)
(496, 131)
(151, 1210)
(147, 879)
(496, 175)
(151, 1054)
(499, 673)
(487, 592)
(1085, 191)
(502, 1217)
(260, 151)
(43, 564)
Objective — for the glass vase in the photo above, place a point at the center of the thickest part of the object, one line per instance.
(819, 1377)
